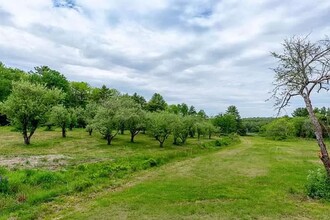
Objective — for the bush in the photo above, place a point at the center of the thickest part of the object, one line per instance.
(280, 129)
(318, 185)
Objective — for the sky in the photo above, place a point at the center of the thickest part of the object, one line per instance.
(206, 53)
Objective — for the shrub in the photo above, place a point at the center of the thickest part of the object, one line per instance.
(318, 185)
(280, 129)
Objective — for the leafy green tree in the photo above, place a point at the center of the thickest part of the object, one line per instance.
(134, 121)
(60, 116)
(180, 129)
(280, 129)
(232, 110)
(79, 94)
(300, 112)
(101, 94)
(106, 120)
(89, 114)
(200, 129)
(226, 123)
(173, 109)
(209, 129)
(201, 113)
(140, 100)
(156, 103)
(160, 126)
(192, 111)
(50, 78)
(191, 122)
(183, 109)
(73, 113)
(27, 105)
(7, 76)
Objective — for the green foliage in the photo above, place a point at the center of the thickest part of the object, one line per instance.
(82, 185)
(160, 125)
(61, 117)
(7, 76)
(300, 112)
(253, 125)
(180, 129)
(45, 179)
(156, 103)
(318, 185)
(79, 94)
(226, 123)
(107, 119)
(280, 129)
(27, 105)
(99, 95)
(232, 138)
(139, 100)
(51, 78)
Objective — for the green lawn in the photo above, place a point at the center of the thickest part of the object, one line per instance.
(53, 169)
(256, 179)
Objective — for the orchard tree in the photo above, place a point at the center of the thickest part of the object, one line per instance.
(106, 120)
(134, 121)
(60, 116)
(200, 129)
(27, 105)
(209, 129)
(303, 67)
(89, 114)
(180, 129)
(160, 126)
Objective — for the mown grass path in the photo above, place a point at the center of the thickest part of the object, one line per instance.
(257, 179)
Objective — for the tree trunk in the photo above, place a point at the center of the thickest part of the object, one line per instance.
(324, 156)
(63, 132)
(109, 139)
(26, 138)
(90, 131)
(161, 144)
(132, 137)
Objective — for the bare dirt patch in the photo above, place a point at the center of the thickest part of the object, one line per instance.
(52, 161)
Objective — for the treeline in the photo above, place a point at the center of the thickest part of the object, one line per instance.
(44, 97)
(299, 125)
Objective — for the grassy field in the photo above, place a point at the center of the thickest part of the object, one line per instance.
(53, 168)
(256, 179)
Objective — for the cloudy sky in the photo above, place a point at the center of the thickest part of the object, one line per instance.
(206, 53)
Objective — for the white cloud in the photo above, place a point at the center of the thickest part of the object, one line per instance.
(208, 53)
